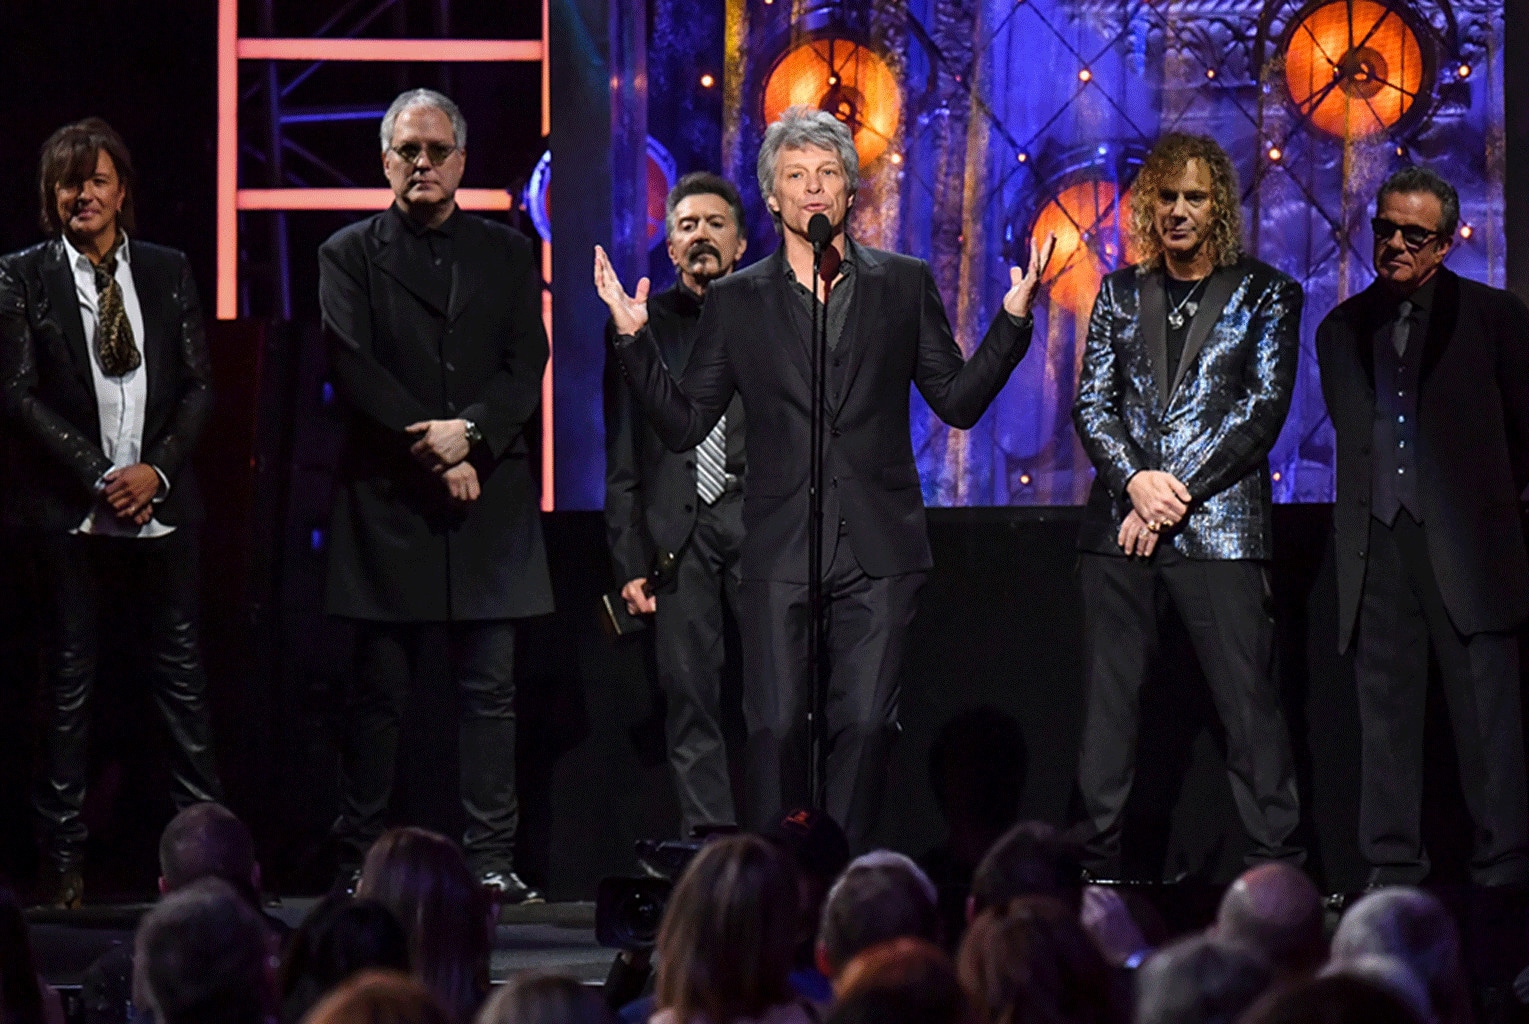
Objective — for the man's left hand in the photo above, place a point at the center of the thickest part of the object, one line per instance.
(1023, 284)
(130, 491)
(1136, 537)
(441, 443)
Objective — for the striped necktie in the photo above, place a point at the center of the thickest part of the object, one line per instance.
(711, 463)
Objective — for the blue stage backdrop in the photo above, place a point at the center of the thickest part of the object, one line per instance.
(982, 123)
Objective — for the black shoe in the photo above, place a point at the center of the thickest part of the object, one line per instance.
(65, 890)
(510, 890)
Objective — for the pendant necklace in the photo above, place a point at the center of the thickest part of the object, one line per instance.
(1185, 307)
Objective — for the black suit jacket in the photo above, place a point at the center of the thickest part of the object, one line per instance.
(650, 492)
(749, 343)
(1472, 455)
(49, 396)
(400, 548)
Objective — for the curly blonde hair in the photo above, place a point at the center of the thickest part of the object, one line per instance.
(1166, 162)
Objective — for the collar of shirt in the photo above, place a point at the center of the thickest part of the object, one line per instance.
(846, 265)
(79, 262)
(447, 227)
(1422, 301)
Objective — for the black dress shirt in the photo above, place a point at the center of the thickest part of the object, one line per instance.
(1394, 477)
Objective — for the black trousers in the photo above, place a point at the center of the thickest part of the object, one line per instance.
(867, 631)
(81, 577)
(1225, 606)
(483, 661)
(689, 646)
(1400, 612)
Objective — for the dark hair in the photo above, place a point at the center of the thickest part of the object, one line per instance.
(1333, 1000)
(423, 879)
(69, 157)
(379, 997)
(207, 840)
(1415, 179)
(340, 937)
(1031, 961)
(979, 759)
(725, 945)
(1030, 859)
(203, 952)
(539, 998)
(906, 979)
(20, 995)
(703, 183)
(872, 904)
(1200, 980)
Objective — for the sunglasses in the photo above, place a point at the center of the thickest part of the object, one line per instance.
(1413, 236)
(438, 152)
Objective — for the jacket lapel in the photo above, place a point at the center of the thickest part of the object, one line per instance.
(1218, 290)
(466, 270)
(58, 278)
(392, 262)
(1152, 321)
(1441, 321)
(150, 281)
(789, 307)
(870, 276)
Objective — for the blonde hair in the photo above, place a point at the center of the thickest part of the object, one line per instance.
(1166, 161)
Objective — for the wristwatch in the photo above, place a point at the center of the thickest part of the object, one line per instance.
(474, 435)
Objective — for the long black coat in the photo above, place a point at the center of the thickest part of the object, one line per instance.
(49, 398)
(400, 548)
(1472, 454)
(750, 343)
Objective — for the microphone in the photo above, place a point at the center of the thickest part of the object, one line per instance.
(829, 268)
(819, 231)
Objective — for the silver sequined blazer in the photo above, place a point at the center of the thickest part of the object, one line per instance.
(1210, 421)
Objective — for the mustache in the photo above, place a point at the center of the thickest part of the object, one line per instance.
(702, 248)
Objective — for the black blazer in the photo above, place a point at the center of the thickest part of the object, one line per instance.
(400, 549)
(1473, 447)
(49, 395)
(650, 492)
(750, 343)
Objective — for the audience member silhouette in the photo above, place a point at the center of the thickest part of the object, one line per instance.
(1200, 980)
(905, 981)
(881, 896)
(1338, 999)
(380, 997)
(1275, 909)
(1412, 926)
(1032, 961)
(203, 956)
(539, 998)
(340, 938)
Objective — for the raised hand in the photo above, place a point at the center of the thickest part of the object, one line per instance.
(1023, 284)
(628, 312)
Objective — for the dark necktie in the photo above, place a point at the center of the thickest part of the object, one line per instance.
(1403, 328)
(114, 334)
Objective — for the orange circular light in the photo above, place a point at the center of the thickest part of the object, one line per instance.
(1464, 71)
(1024, 478)
(1466, 231)
(707, 81)
(1274, 154)
(1088, 218)
(1353, 67)
(1085, 75)
(848, 80)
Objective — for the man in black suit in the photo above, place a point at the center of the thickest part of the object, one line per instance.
(1426, 376)
(1186, 380)
(886, 330)
(105, 384)
(683, 507)
(433, 318)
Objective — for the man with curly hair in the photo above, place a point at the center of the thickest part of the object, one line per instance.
(1187, 376)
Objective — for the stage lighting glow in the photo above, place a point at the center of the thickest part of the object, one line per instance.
(707, 81)
(1085, 75)
(848, 80)
(1275, 155)
(1024, 479)
(1466, 231)
(662, 174)
(1354, 67)
(1210, 72)
(1464, 71)
(1022, 156)
(1088, 218)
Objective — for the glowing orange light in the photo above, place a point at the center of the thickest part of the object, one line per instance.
(1275, 154)
(1276, 476)
(1464, 71)
(1466, 231)
(1024, 478)
(848, 80)
(707, 81)
(1023, 156)
(1085, 75)
(1088, 217)
(1210, 72)
(1354, 67)
(896, 158)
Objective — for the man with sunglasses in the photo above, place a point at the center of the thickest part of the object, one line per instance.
(1426, 376)
(433, 323)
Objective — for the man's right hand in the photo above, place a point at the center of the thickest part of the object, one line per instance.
(1158, 498)
(637, 601)
(462, 481)
(628, 312)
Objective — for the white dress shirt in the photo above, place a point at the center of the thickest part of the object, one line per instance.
(120, 401)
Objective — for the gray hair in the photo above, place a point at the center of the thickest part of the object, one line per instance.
(807, 126)
(1200, 980)
(201, 956)
(1411, 180)
(881, 896)
(1412, 926)
(423, 98)
(1389, 973)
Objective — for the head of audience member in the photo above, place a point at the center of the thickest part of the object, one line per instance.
(977, 768)
(207, 840)
(1030, 859)
(1413, 927)
(1031, 961)
(1275, 909)
(424, 152)
(881, 896)
(703, 222)
(379, 997)
(819, 851)
(340, 938)
(1388, 973)
(539, 998)
(807, 165)
(86, 185)
(905, 980)
(21, 996)
(1336, 999)
(203, 956)
(1190, 212)
(1200, 980)
(725, 944)
(424, 880)
(1416, 214)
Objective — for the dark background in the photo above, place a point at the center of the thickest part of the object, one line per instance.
(999, 624)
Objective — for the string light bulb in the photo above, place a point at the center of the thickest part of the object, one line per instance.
(707, 81)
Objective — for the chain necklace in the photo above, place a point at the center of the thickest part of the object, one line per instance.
(1185, 307)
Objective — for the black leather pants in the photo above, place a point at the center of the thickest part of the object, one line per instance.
(154, 582)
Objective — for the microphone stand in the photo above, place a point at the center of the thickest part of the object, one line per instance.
(817, 752)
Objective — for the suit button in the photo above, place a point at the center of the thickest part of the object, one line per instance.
(689, 464)
(451, 407)
(1361, 552)
(834, 431)
(689, 508)
(450, 366)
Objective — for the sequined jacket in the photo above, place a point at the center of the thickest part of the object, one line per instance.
(1210, 422)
